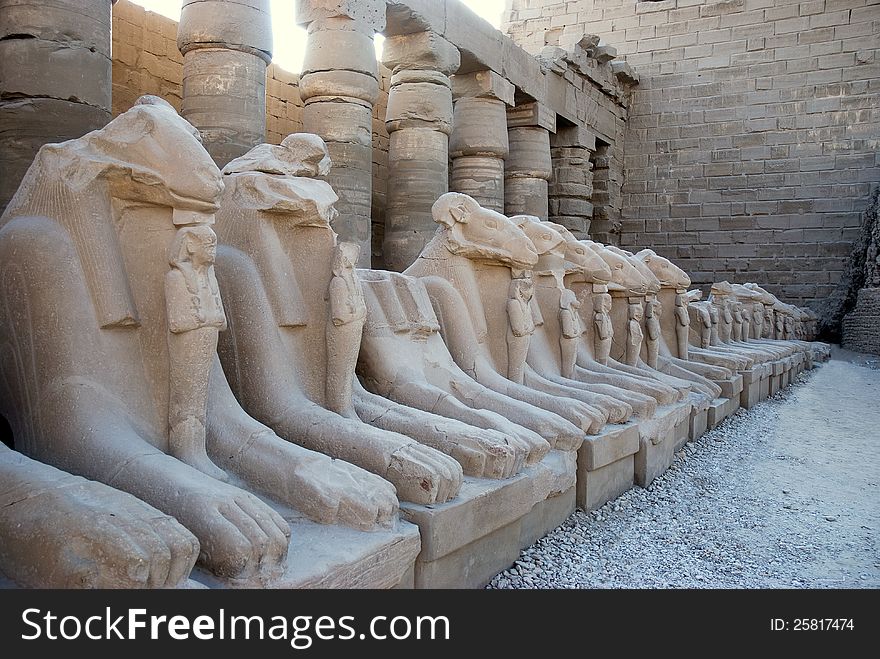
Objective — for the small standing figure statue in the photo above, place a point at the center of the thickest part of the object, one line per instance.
(682, 325)
(769, 322)
(520, 327)
(779, 325)
(195, 317)
(570, 325)
(757, 320)
(788, 325)
(705, 326)
(745, 309)
(634, 334)
(348, 312)
(604, 328)
(737, 320)
(726, 320)
(653, 311)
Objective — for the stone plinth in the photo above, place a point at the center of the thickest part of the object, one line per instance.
(478, 534)
(606, 465)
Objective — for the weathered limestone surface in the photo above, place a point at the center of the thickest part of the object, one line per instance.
(297, 314)
(110, 235)
(119, 541)
(226, 45)
(54, 78)
(571, 186)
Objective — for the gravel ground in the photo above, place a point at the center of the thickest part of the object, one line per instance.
(784, 495)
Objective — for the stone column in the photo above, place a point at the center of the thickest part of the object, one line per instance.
(419, 122)
(55, 73)
(226, 46)
(528, 167)
(339, 86)
(478, 144)
(571, 184)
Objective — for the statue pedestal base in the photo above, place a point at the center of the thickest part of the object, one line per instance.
(779, 367)
(329, 556)
(605, 465)
(657, 448)
(478, 534)
(751, 391)
(721, 408)
(699, 424)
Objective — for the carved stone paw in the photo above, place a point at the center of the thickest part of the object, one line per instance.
(424, 475)
(590, 420)
(488, 454)
(241, 537)
(336, 492)
(83, 534)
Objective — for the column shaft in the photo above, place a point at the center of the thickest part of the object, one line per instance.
(55, 78)
(479, 143)
(419, 121)
(339, 86)
(226, 46)
(528, 166)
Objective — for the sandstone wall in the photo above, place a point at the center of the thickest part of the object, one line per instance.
(752, 140)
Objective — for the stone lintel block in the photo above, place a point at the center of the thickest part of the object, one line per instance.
(604, 54)
(238, 25)
(370, 13)
(422, 50)
(483, 84)
(573, 136)
(532, 114)
(624, 72)
(522, 69)
(614, 443)
(478, 41)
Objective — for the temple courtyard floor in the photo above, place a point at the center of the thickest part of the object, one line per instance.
(785, 495)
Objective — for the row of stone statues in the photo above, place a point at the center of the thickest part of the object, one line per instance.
(308, 385)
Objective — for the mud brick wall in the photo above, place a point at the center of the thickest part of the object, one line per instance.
(751, 146)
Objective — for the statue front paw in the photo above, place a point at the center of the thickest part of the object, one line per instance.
(240, 536)
(423, 475)
(84, 534)
(336, 492)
